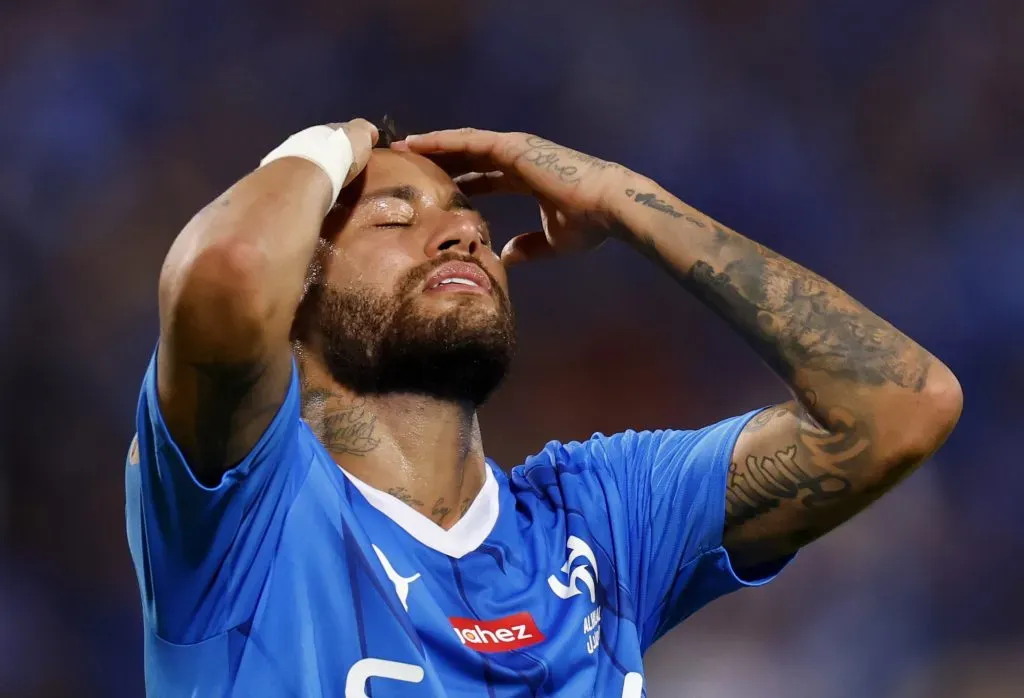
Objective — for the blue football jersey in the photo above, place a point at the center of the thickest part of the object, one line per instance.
(291, 578)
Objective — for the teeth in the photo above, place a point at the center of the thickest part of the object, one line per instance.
(457, 280)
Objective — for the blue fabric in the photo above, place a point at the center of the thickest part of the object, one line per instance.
(269, 584)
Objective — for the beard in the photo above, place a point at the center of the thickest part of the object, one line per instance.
(376, 344)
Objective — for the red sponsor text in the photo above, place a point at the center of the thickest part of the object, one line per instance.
(509, 633)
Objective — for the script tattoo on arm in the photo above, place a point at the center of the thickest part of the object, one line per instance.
(800, 471)
(803, 468)
(651, 200)
(785, 460)
(567, 164)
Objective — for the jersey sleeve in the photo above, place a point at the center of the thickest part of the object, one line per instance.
(202, 553)
(671, 511)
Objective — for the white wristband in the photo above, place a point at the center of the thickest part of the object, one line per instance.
(325, 147)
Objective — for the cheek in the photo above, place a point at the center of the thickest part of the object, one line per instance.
(492, 263)
(377, 263)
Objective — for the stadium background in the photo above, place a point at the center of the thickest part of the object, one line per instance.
(880, 142)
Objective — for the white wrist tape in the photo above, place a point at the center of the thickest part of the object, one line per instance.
(328, 149)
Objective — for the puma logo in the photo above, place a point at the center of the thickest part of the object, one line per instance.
(401, 583)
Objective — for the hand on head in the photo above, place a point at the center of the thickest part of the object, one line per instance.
(572, 189)
(363, 136)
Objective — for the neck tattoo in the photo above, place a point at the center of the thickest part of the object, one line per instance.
(343, 425)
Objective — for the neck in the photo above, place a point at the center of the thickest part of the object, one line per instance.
(424, 451)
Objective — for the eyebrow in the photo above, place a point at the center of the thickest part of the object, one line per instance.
(407, 192)
(404, 192)
(459, 201)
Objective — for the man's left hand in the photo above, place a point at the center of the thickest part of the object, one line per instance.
(573, 190)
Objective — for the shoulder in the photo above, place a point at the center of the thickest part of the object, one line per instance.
(626, 461)
(601, 453)
(573, 468)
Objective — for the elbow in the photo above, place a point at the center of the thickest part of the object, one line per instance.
(922, 427)
(943, 403)
(213, 296)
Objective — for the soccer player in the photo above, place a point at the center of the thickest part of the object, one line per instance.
(309, 506)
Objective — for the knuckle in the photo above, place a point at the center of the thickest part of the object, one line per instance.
(362, 124)
(360, 139)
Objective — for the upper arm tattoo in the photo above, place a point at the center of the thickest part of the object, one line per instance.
(233, 407)
(791, 481)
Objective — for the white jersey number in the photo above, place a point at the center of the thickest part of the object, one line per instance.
(633, 686)
(365, 669)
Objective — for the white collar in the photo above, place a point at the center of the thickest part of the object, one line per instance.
(461, 539)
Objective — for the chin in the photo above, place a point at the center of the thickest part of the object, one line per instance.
(460, 297)
(465, 304)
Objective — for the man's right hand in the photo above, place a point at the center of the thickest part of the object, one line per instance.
(229, 289)
(363, 136)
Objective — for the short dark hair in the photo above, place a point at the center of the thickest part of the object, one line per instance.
(389, 132)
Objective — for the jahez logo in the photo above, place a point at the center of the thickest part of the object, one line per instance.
(509, 633)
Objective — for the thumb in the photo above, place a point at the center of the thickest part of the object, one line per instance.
(527, 247)
(362, 135)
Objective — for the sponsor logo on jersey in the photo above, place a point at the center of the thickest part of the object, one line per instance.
(509, 633)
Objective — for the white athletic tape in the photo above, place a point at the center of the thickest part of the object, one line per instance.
(328, 149)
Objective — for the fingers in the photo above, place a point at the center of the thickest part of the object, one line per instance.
(461, 140)
(466, 149)
(527, 247)
(480, 183)
(363, 136)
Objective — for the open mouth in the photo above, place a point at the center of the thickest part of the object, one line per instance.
(464, 277)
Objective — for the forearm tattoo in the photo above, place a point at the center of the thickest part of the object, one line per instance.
(825, 462)
(567, 164)
(798, 321)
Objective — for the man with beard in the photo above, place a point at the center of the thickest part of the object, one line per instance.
(309, 507)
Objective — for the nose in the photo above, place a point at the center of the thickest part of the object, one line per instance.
(460, 232)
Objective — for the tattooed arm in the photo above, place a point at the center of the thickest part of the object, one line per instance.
(869, 403)
(229, 289)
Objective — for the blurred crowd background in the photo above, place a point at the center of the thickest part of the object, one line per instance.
(880, 142)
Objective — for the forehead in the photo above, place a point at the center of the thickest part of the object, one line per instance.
(389, 168)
